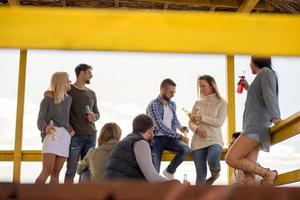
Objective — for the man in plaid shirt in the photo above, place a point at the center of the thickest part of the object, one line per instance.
(163, 112)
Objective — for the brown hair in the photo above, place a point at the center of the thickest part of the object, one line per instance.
(109, 131)
(142, 123)
(211, 81)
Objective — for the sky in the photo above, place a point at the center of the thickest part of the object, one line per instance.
(125, 82)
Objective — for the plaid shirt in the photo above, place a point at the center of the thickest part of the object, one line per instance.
(156, 111)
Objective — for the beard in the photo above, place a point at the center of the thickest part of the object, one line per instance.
(165, 98)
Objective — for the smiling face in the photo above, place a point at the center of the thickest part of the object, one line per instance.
(205, 87)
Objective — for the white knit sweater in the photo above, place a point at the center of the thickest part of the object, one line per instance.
(213, 112)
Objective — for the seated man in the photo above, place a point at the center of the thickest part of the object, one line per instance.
(131, 158)
(163, 112)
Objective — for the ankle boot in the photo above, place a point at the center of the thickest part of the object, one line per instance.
(213, 178)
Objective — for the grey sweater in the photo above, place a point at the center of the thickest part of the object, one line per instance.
(59, 113)
(82, 98)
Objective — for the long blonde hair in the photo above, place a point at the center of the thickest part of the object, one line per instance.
(59, 82)
(211, 81)
(109, 131)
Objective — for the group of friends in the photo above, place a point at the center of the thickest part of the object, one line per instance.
(67, 123)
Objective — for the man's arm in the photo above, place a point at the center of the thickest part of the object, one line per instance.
(143, 157)
(95, 108)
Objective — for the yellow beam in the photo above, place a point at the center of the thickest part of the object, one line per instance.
(167, 156)
(190, 32)
(36, 155)
(26, 155)
(19, 117)
(248, 5)
(231, 105)
(14, 2)
(285, 129)
(289, 177)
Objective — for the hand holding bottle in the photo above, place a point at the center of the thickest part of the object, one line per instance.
(51, 130)
(242, 84)
(89, 115)
(191, 116)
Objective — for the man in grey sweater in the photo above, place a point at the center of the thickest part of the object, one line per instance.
(84, 112)
(131, 158)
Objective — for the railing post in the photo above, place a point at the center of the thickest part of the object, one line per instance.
(231, 103)
(19, 117)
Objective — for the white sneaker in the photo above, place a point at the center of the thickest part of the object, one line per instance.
(168, 175)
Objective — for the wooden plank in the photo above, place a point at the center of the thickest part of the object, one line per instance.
(61, 28)
(14, 2)
(19, 117)
(215, 3)
(248, 5)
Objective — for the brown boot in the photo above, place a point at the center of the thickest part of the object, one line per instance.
(213, 177)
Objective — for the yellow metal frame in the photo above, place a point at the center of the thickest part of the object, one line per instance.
(182, 32)
(90, 29)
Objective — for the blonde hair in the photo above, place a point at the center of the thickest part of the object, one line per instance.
(109, 131)
(211, 81)
(59, 81)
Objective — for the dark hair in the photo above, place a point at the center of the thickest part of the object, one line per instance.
(109, 131)
(81, 67)
(235, 135)
(142, 123)
(262, 62)
(166, 82)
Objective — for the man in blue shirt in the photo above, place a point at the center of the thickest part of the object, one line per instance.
(163, 113)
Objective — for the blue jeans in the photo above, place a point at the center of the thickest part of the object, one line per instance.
(160, 143)
(86, 176)
(210, 154)
(79, 146)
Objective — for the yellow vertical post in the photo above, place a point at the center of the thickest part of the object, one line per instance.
(19, 117)
(231, 103)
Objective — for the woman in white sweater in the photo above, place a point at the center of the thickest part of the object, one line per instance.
(206, 120)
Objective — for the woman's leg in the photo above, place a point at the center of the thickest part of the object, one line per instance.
(48, 165)
(213, 158)
(200, 157)
(237, 158)
(59, 163)
(250, 177)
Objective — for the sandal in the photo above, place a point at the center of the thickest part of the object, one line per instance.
(270, 177)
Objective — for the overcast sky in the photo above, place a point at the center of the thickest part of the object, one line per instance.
(125, 83)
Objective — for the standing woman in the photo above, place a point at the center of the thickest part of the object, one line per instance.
(208, 116)
(56, 132)
(261, 109)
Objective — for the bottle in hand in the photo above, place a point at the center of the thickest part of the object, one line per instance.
(185, 180)
(241, 85)
(190, 115)
(52, 131)
(87, 111)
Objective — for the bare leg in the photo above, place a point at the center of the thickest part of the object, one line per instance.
(250, 177)
(59, 163)
(237, 158)
(48, 165)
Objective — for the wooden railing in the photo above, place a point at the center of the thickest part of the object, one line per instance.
(286, 129)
